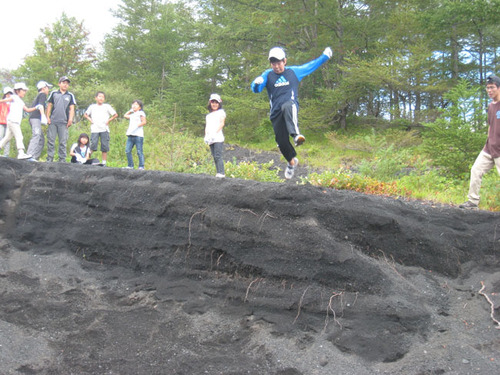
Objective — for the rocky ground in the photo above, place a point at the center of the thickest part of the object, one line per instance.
(111, 271)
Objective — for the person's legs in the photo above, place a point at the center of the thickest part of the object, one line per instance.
(51, 141)
(15, 129)
(6, 138)
(139, 144)
(128, 150)
(290, 115)
(482, 165)
(3, 133)
(217, 150)
(282, 138)
(37, 141)
(62, 132)
(94, 140)
(105, 139)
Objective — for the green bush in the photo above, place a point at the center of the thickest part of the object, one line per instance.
(455, 139)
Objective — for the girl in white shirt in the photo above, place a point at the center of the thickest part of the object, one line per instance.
(135, 134)
(14, 119)
(213, 132)
(80, 151)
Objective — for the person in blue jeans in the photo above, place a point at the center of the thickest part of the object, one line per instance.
(282, 85)
(214, 137)
(135, 133)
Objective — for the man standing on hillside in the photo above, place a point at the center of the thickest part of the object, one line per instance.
(60, 115)
(282, 84)
(490, 154)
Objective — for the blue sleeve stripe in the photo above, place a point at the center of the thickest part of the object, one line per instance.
(302, 71)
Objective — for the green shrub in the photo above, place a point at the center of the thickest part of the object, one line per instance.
(454, 140)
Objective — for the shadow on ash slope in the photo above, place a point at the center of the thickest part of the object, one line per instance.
(110, 271)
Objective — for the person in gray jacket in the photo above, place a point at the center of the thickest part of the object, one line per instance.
(60, 115)
(37, 141)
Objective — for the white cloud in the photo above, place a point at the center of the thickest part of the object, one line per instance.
(21, 21)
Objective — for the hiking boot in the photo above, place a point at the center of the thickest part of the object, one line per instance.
(299, 139)
(290, 169)
(469, 206)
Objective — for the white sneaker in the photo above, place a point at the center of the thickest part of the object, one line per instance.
(299, 139)
(22, 155)
(220, 175)
(290, 169)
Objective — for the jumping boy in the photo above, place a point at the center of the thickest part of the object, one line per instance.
(282, 84)
(100, 115)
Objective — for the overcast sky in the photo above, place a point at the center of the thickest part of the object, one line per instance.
(21, 21)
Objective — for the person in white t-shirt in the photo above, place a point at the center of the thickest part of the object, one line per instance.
(15, 117)
(214, 137)
(100, 115)
(135, 133)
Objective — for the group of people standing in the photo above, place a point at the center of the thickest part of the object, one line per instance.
(57, 110)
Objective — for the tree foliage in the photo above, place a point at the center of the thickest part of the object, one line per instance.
(454, 140)
(393, 61)
(61, 49)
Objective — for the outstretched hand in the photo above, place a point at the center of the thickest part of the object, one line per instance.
(328, 52)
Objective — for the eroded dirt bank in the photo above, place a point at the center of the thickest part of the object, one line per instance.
(109, 271)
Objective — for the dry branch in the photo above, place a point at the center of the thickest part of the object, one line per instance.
(249, 286)
(189, 228)
(330, 308)
(492, 305)
(300, 304)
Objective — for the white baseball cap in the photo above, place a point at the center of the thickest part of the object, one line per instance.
(40, 85)
(20, 86)
(277, 53)
(7, 90)
(215, 97)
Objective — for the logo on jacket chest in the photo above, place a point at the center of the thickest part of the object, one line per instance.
(281, 82)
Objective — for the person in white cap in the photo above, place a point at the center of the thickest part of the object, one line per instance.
(14, 119)
(282, 84)
(37, 119)
(213, 132)
(4, 112)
